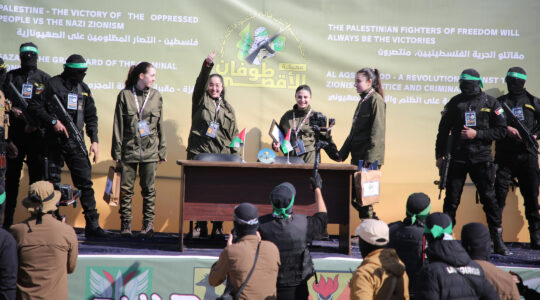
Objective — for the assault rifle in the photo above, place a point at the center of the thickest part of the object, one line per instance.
(72, 129)
(526, 137)
(443, 172)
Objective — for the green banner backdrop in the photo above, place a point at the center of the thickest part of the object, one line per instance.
(419, 46)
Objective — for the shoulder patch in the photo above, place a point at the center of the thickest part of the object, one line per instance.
(486, 109)
(499, 111)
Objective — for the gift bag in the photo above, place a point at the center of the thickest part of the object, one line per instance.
(112, 186)
(367, 183)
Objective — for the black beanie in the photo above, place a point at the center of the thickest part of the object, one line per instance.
(28, 53)
(475, 239)
(468, 86)
(516, 85)
(437, 225)
(417, 203)
(282, 196)
(246, 219)
(75, 73)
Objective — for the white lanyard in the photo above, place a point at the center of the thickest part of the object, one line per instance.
(217, 108)
(140, 110)
(296, 131)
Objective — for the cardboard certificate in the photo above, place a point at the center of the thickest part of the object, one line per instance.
(276, 133)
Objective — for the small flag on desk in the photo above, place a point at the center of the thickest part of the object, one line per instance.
(238, 140)
(286, 146)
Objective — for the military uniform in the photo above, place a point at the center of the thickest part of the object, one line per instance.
(367, 138)
(298, 121)
(138, 148)
(482, 113)
(77, 100)
(24, 134)
(514, 160)
(203, 112)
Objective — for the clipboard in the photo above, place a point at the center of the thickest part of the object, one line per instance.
(276, 133)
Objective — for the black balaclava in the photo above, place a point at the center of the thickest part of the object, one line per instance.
(418, 208)
(515, 81)
(3, 72)
(74, 69)
(438, 226)
(282, 198)
(246, 219)
(28, 53)
(475, 239)
(470, 82)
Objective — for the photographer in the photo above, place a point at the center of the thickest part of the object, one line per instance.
(292, 233)
(237, 259)
(299, 120)
(47, 247)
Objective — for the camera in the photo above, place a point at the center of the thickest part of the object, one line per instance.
(69, 195)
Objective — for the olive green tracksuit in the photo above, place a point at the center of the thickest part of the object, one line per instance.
(305, 133)
(203, 111)
(135, 150)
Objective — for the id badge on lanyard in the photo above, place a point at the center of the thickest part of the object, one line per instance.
(299, 148)
(143, 127)
(213, 128)
(26, 91)
(72, 101)
(470, 118)
(518, 112)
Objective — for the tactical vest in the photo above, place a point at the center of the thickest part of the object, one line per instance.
(290, 236)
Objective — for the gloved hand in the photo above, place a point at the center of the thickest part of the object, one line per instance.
(316, 182)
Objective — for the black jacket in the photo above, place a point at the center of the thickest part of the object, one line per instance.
(529, 106)
(407, 240)
(38, 79)
(490, 125)
(8, 265)
(451, 274)
(44, 107)
(292, 236)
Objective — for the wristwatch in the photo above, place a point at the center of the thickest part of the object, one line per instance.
(53, 122)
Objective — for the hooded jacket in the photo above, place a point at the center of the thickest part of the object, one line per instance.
(451, 274)
(380, 276)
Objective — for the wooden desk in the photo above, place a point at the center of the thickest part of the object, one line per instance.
(211, 190)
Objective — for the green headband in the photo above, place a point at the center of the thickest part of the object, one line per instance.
(421, 215)
(516, 75)
(437, 230)
(28, 49)
(76, 65)
(283, 211)
(470, 77)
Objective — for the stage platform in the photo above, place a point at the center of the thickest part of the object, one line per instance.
(136, 268)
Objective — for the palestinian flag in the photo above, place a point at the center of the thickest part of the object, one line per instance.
(286, 146)
(238, 140)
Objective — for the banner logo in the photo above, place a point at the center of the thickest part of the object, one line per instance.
(261, 51)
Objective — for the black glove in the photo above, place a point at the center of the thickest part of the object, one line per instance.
(316, 182)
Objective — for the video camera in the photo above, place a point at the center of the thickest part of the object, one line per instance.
(68, 197)
(317, 122)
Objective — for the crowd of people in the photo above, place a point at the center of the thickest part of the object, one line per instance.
(416, 258)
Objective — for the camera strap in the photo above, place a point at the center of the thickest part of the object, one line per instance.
(237, 294)
(297, 130)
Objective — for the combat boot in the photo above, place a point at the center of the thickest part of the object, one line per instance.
(498, 245)
(535, 239)
(125, 230)
(92, 229)
(217, 229)
(147, 230)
